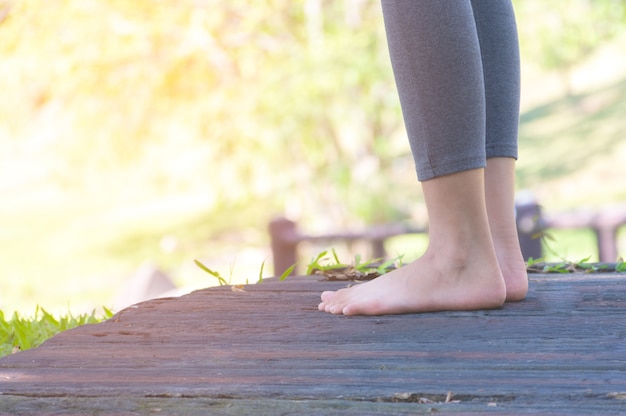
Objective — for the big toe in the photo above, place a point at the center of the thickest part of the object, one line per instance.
(327, 295)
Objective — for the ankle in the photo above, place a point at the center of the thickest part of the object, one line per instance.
(463, 247)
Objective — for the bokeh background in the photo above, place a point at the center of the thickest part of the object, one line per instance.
(163, 131)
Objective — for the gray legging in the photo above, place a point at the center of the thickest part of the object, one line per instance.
(456, 65)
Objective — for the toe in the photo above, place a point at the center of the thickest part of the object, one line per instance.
(326, 295)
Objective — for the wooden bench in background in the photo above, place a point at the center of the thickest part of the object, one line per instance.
(532, 222)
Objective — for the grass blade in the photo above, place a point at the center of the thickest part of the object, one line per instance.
(261, 272)
(287, 272)
(315, 263)
(213, 273)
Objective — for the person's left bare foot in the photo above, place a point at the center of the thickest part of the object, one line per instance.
(430, 284)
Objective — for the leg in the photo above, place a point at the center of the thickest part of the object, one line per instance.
(500, 199)
(497, 34)
(437, 64)
(459, 271)
(499, 50)
(435, 55)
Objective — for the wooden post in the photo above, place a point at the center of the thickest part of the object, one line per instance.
(530, 224)
(284, 243)
(607, 243)
(378, 249)
(606, 225)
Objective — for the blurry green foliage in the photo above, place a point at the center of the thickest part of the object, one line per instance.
(560, 35)
(226, 95)
(289, 105)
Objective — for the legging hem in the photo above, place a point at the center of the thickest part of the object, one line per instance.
(450, 167)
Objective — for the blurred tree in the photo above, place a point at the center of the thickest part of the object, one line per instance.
(285, 105)
(226, 95)
(560, 36)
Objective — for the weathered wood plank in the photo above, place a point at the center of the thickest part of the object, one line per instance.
(561, 351)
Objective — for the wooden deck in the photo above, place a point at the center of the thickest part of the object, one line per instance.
(267, 350)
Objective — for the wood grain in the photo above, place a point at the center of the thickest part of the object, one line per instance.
(267, 350)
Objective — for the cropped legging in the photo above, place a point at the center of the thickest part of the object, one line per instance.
(456, 66)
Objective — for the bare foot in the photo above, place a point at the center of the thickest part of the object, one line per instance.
(513, 267)
(473, 259)
(429, 284)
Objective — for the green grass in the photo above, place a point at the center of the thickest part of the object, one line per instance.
(560, 245)
(570, 245)
(20, 333)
